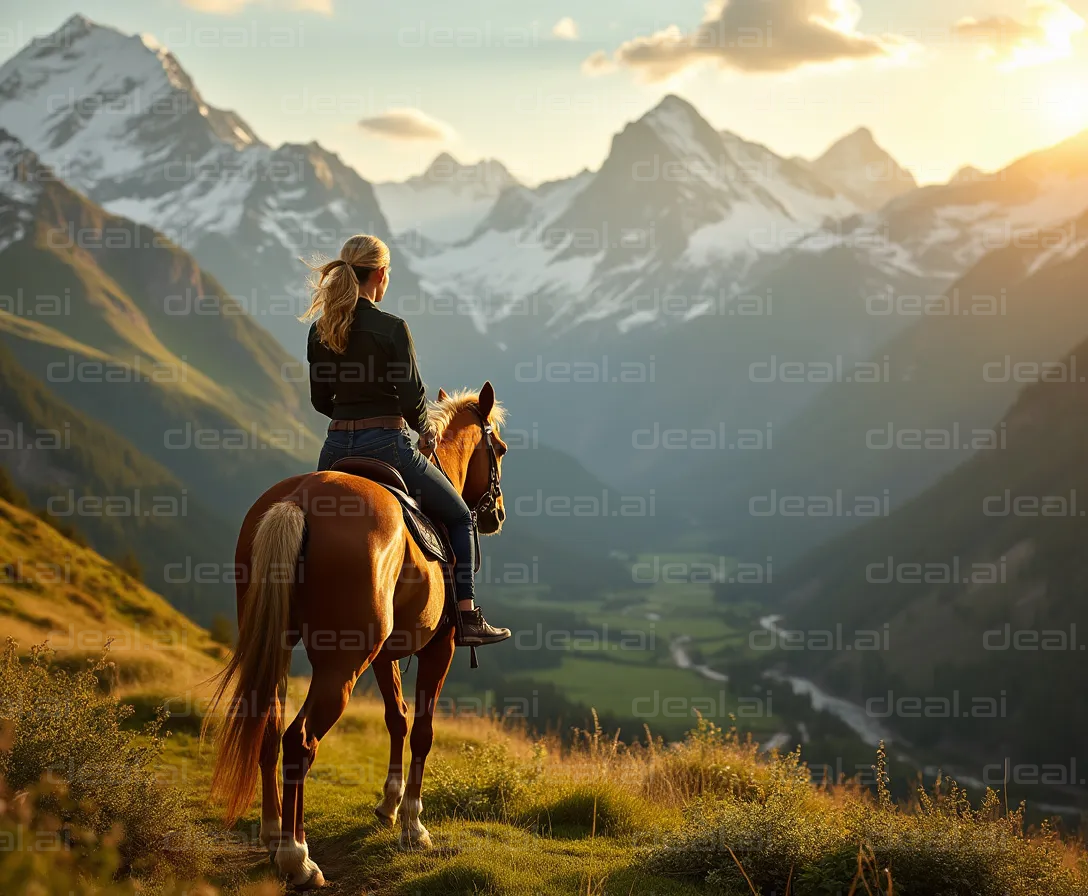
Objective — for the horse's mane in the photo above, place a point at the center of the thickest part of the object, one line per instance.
(441, 413)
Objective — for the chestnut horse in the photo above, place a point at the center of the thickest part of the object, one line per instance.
(334, 566)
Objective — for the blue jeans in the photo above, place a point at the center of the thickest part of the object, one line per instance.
(426, 483)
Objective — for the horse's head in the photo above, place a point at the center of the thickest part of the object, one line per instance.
(469, 426)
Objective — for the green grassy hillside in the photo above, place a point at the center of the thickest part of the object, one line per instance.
(54, 591)
(121, 501)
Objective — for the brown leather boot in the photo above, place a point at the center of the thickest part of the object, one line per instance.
(477, 631)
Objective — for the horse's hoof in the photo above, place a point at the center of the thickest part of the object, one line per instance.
(420, 839)
(315, 881)
(385, 820)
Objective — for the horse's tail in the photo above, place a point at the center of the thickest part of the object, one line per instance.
(261, 661)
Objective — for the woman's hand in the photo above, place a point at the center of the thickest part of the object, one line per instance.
(425, 444)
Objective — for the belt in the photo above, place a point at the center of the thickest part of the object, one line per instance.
(368, 423)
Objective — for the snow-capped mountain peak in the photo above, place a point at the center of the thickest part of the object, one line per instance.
(118, 117)
(674, 206)
(447, 201)
(487, 177)
(863, 170)
(678, 123)
(99, 104)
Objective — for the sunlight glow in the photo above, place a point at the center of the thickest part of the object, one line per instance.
(1065, 104)
(1058, 25)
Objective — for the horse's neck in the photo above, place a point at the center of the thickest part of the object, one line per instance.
(454, 460)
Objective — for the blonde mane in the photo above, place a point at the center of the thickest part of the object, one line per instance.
(441, 413)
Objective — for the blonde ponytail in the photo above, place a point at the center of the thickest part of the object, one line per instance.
(335, 288)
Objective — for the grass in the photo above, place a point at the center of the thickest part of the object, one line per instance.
(53, 590)
(512, 815)
(101, 798)
(662, 697)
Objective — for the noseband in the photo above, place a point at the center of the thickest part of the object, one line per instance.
(489, 500)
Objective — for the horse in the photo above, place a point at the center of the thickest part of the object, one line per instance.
(331, 564)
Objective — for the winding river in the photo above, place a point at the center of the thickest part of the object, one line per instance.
(850, 714)
(869, 730)
(678, 647)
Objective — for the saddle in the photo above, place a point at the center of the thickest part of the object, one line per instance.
(426, 533)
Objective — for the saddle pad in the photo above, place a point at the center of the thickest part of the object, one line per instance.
(430, 540)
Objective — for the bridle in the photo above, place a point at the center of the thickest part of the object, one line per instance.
(489, 500)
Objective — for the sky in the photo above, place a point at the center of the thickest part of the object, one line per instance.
(543, 85)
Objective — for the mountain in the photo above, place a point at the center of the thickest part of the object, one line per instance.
(980, 581)
(603, 291)
(967, 173)
(939, 231)
(690, 259)
(862, 170)
(674, 206)
(958, 368)
(118, 118)
(444, 203)
(690, 249)
(121, 323)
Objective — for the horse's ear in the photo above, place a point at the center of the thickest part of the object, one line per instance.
(487, 399)
(442, 395)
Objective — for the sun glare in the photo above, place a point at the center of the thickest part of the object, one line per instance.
(1065, 105)
(1057, 25)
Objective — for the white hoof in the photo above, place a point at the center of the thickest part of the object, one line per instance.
(416, 837)
(294, 862)
(412, 833)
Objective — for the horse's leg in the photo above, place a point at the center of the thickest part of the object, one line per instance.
(325, 703)
(396, 720)
(434, 664)
(271, 808)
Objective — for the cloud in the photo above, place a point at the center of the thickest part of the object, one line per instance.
(754, 36)
(598, 63)
(1046, 34)
(406, 124)
(233, 7)
(565, 29)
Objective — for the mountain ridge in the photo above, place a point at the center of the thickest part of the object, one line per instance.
(137, 138)
(965, 575)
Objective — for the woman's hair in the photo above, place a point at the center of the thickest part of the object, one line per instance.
(335, 287)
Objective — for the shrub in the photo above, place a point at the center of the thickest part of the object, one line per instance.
(64, 732)
(485, 784)
(809, 841)
(789, 828)
(709, 761)
(602, 807)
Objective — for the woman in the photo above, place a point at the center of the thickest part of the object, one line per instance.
(363, 374)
